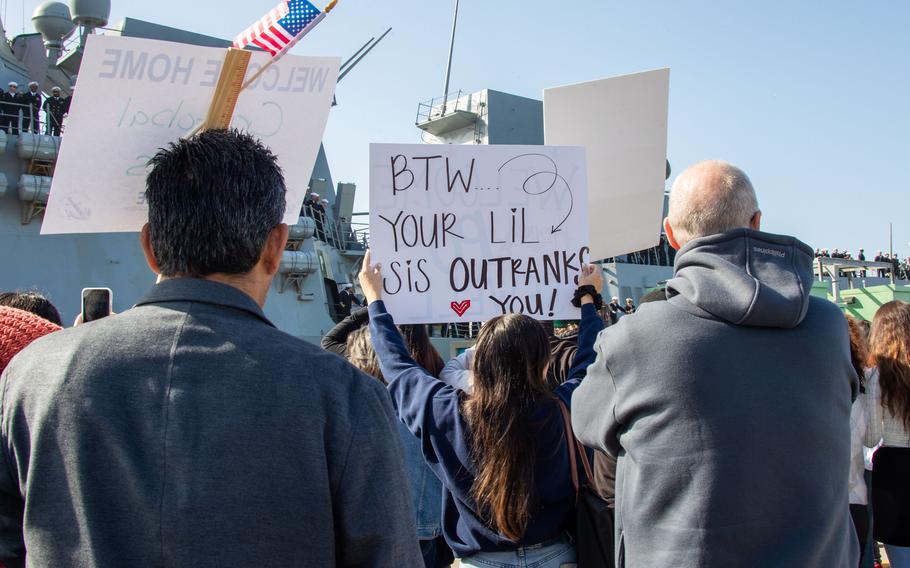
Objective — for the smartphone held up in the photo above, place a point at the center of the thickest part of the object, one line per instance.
(96, 304)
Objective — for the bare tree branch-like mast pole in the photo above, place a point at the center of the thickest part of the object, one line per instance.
(445, 91)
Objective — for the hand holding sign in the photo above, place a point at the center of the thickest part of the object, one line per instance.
(591, 275)
(370, 279)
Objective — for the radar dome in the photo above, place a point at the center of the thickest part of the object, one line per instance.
(52, 20)
(91, 13)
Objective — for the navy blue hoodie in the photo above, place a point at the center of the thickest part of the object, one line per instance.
(431, 410)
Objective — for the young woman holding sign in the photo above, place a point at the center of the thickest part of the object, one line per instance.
(501, 452)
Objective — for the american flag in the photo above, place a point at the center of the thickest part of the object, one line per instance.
(282, 27)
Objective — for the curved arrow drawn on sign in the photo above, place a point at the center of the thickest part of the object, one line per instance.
(556, 177)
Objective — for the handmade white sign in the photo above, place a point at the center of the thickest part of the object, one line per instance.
(622, 122)
(465, 233)
(137, 95)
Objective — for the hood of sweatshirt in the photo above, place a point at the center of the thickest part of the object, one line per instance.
(746, 277)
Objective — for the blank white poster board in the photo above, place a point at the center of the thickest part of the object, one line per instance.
(622, 122)
(137, 95)
(465, 233)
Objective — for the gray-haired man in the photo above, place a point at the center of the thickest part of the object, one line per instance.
(188, 431)
(727, 406)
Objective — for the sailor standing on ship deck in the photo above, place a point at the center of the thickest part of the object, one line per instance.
(30, 120)
(55, 107)
(9, 109)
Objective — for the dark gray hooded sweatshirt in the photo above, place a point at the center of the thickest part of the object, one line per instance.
(728, 408)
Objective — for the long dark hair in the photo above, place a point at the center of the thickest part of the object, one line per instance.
(890, 346)
(510, 362)
(859, 351)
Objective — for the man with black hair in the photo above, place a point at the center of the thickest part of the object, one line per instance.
(188, 430)
(54, 107)
(32, 98)
(32, 302)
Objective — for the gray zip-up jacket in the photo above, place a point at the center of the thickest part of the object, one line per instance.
(728, 407)
(188, 431)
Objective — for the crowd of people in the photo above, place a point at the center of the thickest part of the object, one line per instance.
(721, 422)
(837, 253)
(900, 267)
(22, 111)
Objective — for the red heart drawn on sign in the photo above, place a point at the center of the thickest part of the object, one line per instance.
(461, 307)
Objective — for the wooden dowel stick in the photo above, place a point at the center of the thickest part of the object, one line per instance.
(224, 99)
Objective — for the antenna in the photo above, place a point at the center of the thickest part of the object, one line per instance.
(359, 59)
(351, 58)
(445, 92)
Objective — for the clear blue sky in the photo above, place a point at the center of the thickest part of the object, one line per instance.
(810, 98)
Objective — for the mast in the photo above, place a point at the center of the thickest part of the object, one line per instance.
(348, 66)
(445, 91)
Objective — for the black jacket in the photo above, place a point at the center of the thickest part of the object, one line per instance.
(336, 340)
(9, 103)
(33, 99)
(55, 106)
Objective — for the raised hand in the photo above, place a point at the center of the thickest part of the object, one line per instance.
(370, 279)
(592, 275)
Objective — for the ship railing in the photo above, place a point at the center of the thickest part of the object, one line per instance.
(446, 104)
(23, 112)
(828, 267)
(359, 237)
(833, 269)
(340, 233)
(347, 236)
